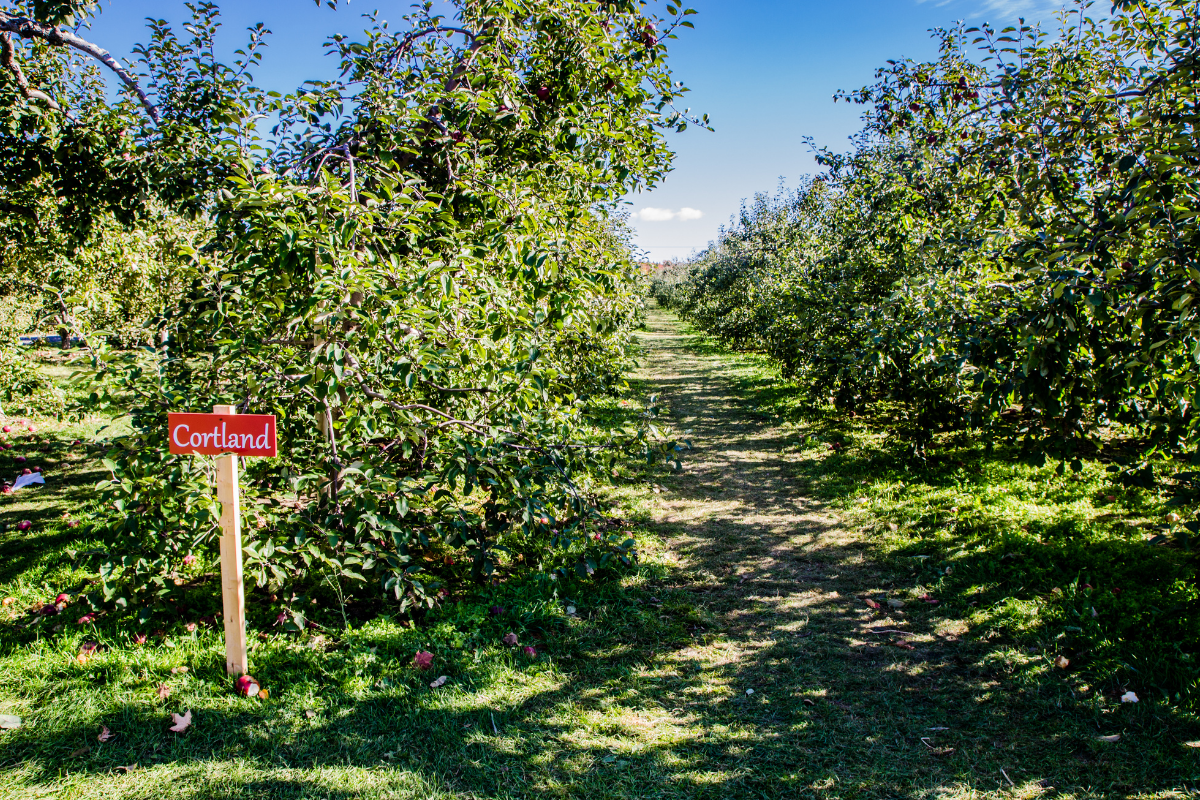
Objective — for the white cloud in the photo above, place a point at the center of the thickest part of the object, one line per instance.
(666, 215)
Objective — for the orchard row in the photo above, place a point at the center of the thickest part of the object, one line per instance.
(1010, 246)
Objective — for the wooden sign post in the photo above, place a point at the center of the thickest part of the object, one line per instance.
(233, 590)
(227, 435)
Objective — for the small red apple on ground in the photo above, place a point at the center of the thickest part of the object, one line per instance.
(530, 651)
(510, 639)
(62, 599)
(7, 429)
(20, 459)
(24, 525)
(246, 686)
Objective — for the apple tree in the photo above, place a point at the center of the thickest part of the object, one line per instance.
(415, 265)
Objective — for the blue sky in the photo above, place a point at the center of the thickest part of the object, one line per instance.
(763, 70)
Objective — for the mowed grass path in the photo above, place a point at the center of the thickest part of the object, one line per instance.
(741, 661)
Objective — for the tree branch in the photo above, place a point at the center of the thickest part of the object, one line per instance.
(8, 57)
(411, 37)
(32, 29)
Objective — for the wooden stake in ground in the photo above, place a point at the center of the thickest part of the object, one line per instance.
(233, 592)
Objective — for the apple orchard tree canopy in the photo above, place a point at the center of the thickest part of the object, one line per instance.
(417, 271)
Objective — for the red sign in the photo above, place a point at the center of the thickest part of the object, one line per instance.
(214, 434)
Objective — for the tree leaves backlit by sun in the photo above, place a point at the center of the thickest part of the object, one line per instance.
(416, 266)
(1010, 246)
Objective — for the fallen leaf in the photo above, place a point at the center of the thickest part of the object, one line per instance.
(9, 721)
(903, 645)
(873, 604)
(163, 691)
(1062, 662)
(808, 701)
(179, 670)
(510, 639)
(182, 723)
(1116, 737)
(81, 751)
(896, 603)
(423, 660)
(441, 681)
(309, 713)
(749, 691)
(129, 768)
(1129, 697)
(105, 734)
(1192, 744)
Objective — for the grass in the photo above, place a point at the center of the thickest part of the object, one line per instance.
(740, 659)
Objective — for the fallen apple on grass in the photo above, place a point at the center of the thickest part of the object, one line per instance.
(247, 687)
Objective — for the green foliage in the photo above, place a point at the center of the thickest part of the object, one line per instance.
(427, 285)
(1011, 240)
(24, 389)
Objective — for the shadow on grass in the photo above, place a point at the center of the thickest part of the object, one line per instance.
(754, 668)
